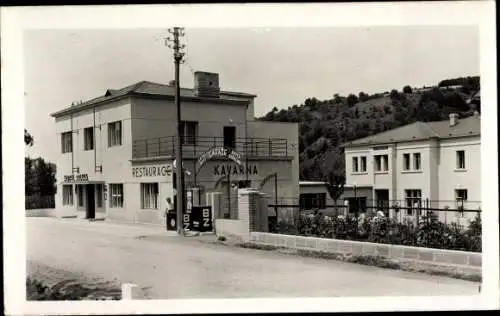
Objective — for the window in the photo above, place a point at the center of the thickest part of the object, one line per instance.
(229, 136)
(406, 161)
(79, 189)
(66, 142)
(385, 160)
(244, 184)
(460, 159)
(413, 200)
(115, 134)
(99, 190)
(88, 134)
(188, 132)
(460, 197)
(381, 162)
(354, 164)
(116, 195)
(309, 201)
(416, 161)
(67, 194)
(356, 205)
(149, 196)
(363, 164)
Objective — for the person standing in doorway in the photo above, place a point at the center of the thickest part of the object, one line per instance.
(169, 210)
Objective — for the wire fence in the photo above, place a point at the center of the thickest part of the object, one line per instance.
(416, 222)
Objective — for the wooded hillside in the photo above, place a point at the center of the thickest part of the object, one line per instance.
(325, 125)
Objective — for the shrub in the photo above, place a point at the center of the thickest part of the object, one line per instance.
(69, 290)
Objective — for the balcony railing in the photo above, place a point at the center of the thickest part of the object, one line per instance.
(193, 147)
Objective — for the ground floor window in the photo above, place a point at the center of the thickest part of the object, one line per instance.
(67, 191)
(309, 201)
(413, 199)
(356, 205)
(79, 189)
(116, 195)
(99, 189)
(149, 196)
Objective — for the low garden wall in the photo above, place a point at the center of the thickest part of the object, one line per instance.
(232, 228)
(356, 248)
(45, 212)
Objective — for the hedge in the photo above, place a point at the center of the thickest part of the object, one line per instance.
(429, 232)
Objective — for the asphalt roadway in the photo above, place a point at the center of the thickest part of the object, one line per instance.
(167, 266)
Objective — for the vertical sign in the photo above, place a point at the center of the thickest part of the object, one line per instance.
(187, 217)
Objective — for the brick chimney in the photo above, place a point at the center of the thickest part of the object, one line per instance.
(206, 84)
(453, 119)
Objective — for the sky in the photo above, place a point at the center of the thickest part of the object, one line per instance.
(282, 66)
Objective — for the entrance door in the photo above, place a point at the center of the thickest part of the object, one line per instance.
(382, 198)
(90, 201)
(230, 136)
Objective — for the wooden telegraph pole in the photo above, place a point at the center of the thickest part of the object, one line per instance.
(178, 55)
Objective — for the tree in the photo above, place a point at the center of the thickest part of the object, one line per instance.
(363, 96)
(407, 89)
(40, 177)
(394, 94)
(334, 185)
(28, 139)
(352, 99)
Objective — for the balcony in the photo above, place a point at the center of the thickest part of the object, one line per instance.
(193, 147)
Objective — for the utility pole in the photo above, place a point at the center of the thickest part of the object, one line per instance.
(178, 55)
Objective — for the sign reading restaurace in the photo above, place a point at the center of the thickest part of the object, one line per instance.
(79, 178)
(152, 171)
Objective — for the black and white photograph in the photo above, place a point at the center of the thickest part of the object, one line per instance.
(170, 158)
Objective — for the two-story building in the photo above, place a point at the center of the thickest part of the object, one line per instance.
(436, 163)
(117, 150)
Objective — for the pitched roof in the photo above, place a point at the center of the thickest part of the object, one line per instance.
(422, 131)
(147, 88)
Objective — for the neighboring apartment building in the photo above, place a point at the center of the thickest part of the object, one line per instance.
(436, 163)
(117, 150)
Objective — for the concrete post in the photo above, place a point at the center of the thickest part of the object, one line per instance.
(263, 213)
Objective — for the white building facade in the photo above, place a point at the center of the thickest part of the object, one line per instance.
(117, 150)
(433, 164)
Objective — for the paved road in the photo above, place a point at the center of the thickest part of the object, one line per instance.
(174, 267)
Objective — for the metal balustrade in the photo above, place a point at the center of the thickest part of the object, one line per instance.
(193, 147)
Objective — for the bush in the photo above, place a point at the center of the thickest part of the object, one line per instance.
(407, 89)
(69, 290)
(32, 202)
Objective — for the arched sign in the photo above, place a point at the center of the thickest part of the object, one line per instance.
(219, 151)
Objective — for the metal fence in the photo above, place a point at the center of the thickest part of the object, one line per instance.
(458, 211)
(420, 223)
(192, 147)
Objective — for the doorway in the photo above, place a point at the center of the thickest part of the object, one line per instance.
(90, 201)
(230, 136)
(382, 200)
